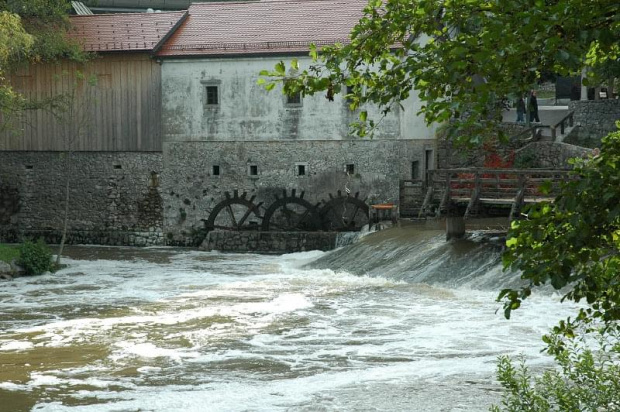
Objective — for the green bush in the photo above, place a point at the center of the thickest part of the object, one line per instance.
(35, 258)
(586, 378)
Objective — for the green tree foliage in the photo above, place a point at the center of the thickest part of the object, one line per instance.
(462, 57)
(587, 379)
(14, 41)
(31, 31)
(573, 244)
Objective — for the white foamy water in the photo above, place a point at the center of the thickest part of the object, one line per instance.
(169, 330)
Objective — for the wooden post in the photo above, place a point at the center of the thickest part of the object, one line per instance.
(455, 227)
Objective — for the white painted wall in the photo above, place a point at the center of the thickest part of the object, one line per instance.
(248, 112)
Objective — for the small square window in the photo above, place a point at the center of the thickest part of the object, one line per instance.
(215, 170)
(294, 99)
(212, 97)
(301, 170)
(350, 169)
(253, 170)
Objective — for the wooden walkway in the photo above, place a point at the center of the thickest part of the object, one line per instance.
(474, 190)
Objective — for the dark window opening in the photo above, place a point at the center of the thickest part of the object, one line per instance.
(216, 170)
(253, 170)
(301, 170)
(29, 167)
(350, 169)
(118, 166)
(294, 98)
(415, 170)
(212, 97)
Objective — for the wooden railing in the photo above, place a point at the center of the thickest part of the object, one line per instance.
(473, 187)
(569, 118)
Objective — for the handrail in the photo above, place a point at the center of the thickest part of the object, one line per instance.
(531, 129)
(569, 117)
(499, 171)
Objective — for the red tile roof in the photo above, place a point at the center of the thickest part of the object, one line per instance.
(124, 32)
(263, 27)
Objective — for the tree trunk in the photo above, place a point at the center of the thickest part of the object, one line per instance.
(64, 224)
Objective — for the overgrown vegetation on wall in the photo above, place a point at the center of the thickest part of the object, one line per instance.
(31, 31)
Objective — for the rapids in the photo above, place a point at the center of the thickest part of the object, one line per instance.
(399, 321)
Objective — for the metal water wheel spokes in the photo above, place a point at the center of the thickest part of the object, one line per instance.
(291, 214)
(344, 213)
(235, 213)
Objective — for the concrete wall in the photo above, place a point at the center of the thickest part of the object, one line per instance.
(114, 197)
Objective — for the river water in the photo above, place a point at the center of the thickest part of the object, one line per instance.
(400, 321)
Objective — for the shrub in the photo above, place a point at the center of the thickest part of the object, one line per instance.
(35, 258)
(586, 378)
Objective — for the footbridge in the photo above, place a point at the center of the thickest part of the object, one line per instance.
(460, 194)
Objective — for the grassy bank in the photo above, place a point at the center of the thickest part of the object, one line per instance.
(8, 253)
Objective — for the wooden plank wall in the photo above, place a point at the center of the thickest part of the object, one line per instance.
(122, 112)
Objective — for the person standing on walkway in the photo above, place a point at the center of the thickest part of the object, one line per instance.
(533, 106)
(520, 110)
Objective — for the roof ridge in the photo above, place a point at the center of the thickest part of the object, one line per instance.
(75, 16)
(223, 2)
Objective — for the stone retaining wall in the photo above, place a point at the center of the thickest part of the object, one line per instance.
(269, 242)
(549, 155)
(450, 157)
(594, 119)
(115, 198)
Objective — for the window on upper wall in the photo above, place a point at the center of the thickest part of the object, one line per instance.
(294, 100)
(349, 168)
(212, 95)
(215, 170)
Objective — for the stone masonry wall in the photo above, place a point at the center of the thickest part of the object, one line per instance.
(450, 157)
(270, 242)
(115, 198)
(594, 119)
(190, 190)
(549, 155)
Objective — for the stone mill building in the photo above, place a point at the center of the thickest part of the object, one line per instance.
(177, 136)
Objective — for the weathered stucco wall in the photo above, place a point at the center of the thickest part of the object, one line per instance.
(190, 191)
(114, 197)
(247, 112)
